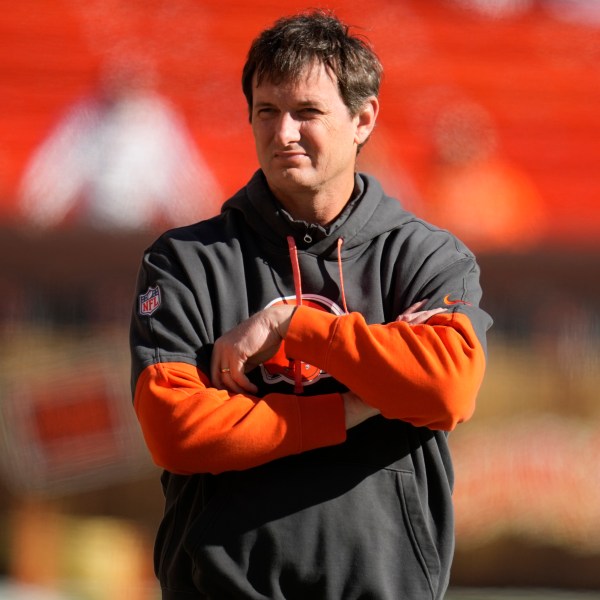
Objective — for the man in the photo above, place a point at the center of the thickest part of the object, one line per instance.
(299, 359)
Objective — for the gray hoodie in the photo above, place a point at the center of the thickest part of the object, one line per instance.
(268, 497)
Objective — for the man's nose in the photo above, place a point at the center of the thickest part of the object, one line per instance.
(287, 129)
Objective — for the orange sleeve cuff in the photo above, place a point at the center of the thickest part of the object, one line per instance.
(309, 335)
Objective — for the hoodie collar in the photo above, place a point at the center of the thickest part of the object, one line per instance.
(307, 233)
(356, 223)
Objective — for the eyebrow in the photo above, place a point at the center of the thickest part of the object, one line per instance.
(301, 104)
(305, 103)
(262, 104)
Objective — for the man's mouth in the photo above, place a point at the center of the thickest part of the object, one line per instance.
(286, 154)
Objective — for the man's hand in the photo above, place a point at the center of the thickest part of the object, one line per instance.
(414, 316)
(247, 345)
(356, 410)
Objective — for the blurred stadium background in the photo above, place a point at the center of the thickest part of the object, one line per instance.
(118, 119)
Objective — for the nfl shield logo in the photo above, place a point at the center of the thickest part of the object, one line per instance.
(149, 301)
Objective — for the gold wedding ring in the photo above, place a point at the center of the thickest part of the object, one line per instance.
(225, 370)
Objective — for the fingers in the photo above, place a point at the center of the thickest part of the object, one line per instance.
(414, 308)
(234, 381)
(237, 383)
(247, 345)
(227, 373)
(423, 316)
(414, 316)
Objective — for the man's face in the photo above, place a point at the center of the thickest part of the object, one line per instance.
(306, 139)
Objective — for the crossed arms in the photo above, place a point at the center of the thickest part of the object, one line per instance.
(196, 422)
(258, 338)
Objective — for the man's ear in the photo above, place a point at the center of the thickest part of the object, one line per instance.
(366, 116)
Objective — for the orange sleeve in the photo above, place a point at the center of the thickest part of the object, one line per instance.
(190, 427)
(428, 374)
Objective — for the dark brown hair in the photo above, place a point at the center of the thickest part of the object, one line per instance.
(286, 50)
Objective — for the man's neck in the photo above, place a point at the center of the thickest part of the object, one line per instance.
(320, 207)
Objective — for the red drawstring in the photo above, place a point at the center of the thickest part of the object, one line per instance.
(298, 385)
(297, 364)
(295, 269)
(339, 258)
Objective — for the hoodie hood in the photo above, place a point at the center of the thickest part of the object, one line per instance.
(366, 216)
